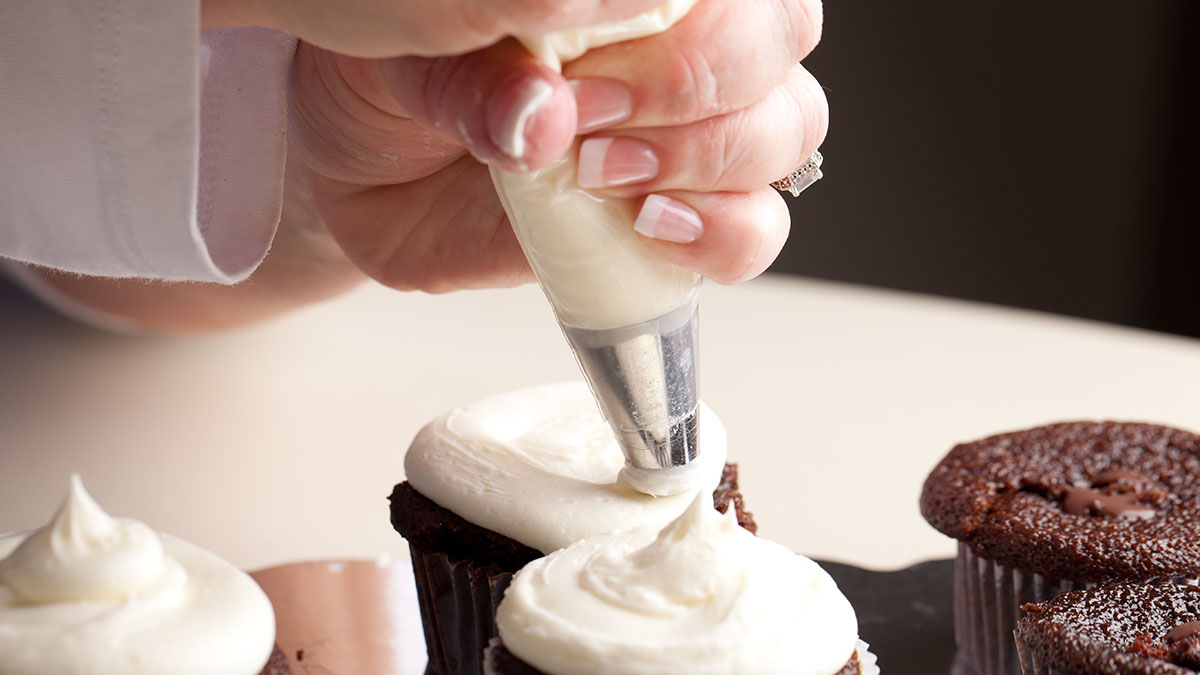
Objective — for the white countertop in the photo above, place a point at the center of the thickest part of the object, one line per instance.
(281, 443)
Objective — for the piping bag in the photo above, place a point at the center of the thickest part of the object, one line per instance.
(630, 317)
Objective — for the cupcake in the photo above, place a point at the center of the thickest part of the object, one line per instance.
(1058, 508)
(90, 593)
(701, 595)
(1113, 630)
(509, 479)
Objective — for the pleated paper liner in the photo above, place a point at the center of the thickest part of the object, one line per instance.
(1031, 663)
(458, 601)
(987, 605)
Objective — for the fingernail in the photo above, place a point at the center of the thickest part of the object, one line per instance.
(600, 103)
(608, 162)
(509, 116)
(668, 219)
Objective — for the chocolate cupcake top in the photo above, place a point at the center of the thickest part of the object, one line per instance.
(1080, 501)
(1134, 630)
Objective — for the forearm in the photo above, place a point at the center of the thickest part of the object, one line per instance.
(277, 287)
(304, 266)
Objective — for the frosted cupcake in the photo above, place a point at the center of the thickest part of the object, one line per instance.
(510, 478)
(699, 596)
(90, 593)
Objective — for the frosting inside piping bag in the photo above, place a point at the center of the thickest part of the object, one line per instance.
(594, 269)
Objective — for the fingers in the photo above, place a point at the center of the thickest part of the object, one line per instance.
(740, 151)
(721, 57)
(448, 231)
(506, 107)
(344, 126)
(440, 233)
(728, 237)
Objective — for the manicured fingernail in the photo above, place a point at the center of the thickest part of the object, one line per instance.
(600, 103)
(668, 219)
(508, 118)
(608, 162)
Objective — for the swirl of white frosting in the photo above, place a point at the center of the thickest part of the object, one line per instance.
(90, 593)
(83, 555)
(541, 466)
(699, 596)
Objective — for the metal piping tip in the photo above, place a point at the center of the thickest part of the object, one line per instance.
(644, 379)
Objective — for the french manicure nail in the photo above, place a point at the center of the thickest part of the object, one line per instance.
(600, 103)
(668, 219)
(608, 162)
(508, 120)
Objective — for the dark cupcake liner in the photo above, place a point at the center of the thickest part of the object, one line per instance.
(1031, 663)
(458, 601)
(987, 605)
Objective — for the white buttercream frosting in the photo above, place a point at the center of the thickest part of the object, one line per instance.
(90, 593)
(559, 47)
(595, 270)
(540, 465)
(701, 595)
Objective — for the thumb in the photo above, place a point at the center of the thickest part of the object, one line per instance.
(506, 107)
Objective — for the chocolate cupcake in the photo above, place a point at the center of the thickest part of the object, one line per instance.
(509, 479)
(1058, 508)
(1113, 630)
(700, 595)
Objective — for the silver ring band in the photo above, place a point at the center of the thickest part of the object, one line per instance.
(802, 176)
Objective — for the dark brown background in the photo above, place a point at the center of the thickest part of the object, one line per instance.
(1036, 153)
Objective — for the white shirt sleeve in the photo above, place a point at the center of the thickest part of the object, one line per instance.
(132, 146)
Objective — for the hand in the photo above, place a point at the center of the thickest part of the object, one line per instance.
(707, 113)
(384, 174)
